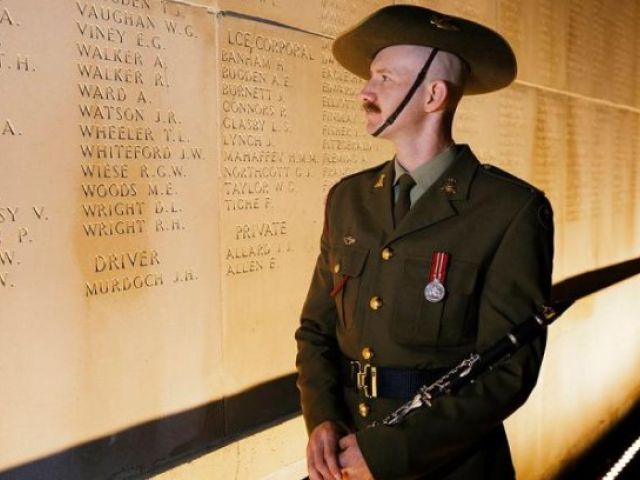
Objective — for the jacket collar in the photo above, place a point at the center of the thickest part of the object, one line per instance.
(435, 205)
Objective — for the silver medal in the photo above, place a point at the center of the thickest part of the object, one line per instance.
(434, 291)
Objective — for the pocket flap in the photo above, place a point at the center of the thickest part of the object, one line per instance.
(349, 261)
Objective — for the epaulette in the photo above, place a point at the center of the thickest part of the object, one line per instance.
(504, 175)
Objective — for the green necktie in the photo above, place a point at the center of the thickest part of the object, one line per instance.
(403, 202)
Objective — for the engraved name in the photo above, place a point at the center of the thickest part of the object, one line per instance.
(114, 132)
(109, 54)
(248, 60)
(124, 284)
(252, 108)
(246, 91)
(248, 251)
(267, 171)
(125, 152)
(109, 112)
(110, 74)
(115, 15)
(114, 228)
(103, 190)
(97, 92)
(253, 156)
(7, 257)
(8, 214)
(97, 32)
(132, 3)
(248, 124)
(105, 170)
(6, 18)
(7, 128)
(117, 209)
(162, 171)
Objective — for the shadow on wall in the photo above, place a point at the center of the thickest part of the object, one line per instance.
(598, 460)
(161, 444)
(164, 443)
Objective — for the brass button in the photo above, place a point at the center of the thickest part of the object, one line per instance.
(336, 268)
(363, 409)
(367, 353)
(387, 253)
(375, 303)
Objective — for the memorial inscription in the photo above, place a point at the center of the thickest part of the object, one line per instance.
(14, 236)
(514, 119)
(16, 220)
(584, 49)
(13, 59)
(337, 15)
(135, 157)
(549, 138)
(263, 166)
(108, 199)
(346, 147)
(539, 46)
(582, 148)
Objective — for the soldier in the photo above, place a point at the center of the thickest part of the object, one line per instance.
(423, 260)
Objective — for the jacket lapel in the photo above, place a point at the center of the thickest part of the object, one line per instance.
(381, 206)
(438, 203)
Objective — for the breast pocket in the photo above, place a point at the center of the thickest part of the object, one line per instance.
(447, 323)
(347, 264)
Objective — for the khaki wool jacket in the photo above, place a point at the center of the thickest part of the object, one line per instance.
(498, 232)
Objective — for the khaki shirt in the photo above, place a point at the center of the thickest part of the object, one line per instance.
(425, 175)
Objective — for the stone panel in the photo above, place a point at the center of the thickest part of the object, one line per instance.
(108, 219)
(291, 126)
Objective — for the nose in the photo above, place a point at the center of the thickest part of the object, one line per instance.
(367, 94)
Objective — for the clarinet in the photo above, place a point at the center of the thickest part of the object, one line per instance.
(465, 372)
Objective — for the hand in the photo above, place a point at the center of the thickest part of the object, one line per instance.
(322, 452)
(351, 460)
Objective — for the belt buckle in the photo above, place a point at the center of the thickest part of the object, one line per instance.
(366, 378)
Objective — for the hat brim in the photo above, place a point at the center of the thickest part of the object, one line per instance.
(490, 58)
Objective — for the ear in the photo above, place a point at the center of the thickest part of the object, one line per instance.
(436, 96)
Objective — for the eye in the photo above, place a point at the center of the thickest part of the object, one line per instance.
(384, 77)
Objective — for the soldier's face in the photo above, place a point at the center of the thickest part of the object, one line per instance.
(393, 71)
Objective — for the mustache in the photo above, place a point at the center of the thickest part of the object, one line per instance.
(370, 107)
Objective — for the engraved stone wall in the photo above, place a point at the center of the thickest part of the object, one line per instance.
(109, 225)
(164, 169)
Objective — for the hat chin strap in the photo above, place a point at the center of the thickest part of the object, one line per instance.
(419, 79)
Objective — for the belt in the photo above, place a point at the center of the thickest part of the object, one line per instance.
(386, 382)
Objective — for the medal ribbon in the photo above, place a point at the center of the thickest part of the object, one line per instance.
(439, 263)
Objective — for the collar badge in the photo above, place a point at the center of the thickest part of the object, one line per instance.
(450, 186)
